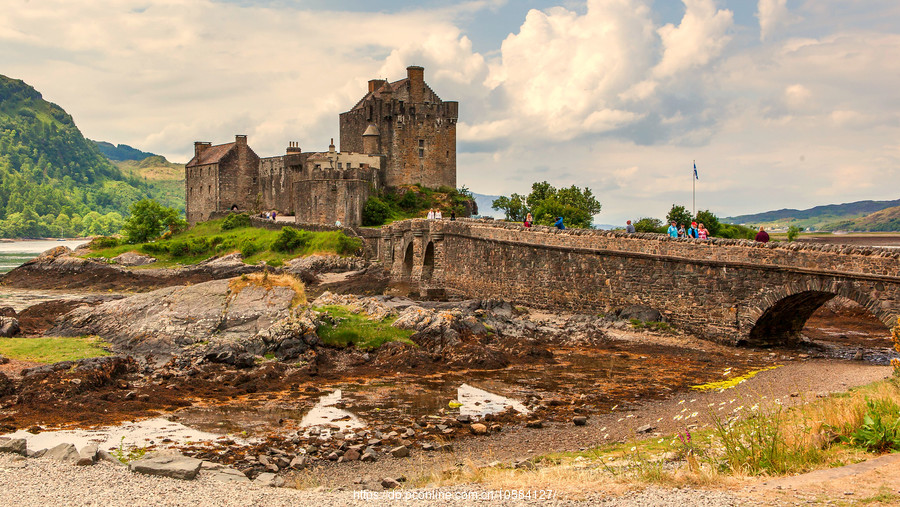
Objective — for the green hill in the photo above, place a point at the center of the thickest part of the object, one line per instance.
(886, 220)
(813, 218)
(165, 178)
(120, 152)
(53, 181)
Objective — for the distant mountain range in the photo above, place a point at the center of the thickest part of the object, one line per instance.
(853, 216)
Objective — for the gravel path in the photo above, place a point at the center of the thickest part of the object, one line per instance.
(41, 482)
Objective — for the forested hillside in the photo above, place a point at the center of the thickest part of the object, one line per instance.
(53, 181)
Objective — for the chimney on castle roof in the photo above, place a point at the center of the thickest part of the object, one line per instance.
(375, 84)
(416, 76)
(294, 147)
(200, 147)
(240, 139)
(331, 146)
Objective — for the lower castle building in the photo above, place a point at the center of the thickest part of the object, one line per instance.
(400, 133)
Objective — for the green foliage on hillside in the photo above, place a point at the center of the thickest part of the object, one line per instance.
(120, 152)
(149, 219)
(414, 201)
(208, 239)
(546, 202)
(53, 181)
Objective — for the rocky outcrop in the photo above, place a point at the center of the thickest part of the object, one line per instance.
(133, 259)
(170, 320)
(59, 269)
(325, 264)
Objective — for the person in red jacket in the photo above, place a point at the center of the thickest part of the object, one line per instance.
(762, 236)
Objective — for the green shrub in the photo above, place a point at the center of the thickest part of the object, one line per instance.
(235, 221)
(647, 224)
(103, 242)
(410, 201)
(347, 245)
(290, 239)
(375, 212)
(880, 430)
(249, 248)
(792, 232)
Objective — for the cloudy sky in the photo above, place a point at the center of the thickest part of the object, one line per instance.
(782, 103)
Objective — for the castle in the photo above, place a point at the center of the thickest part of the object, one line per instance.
(399, 133)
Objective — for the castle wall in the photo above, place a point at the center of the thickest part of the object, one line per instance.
(276, 185)
(238, 178)
(328, 195)
(201, 189)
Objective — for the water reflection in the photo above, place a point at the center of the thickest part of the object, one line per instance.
(479, 403)
(159, 431)
(326, 414)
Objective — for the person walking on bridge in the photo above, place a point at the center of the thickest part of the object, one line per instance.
(629, 228)
(672, 231)
(529, 220)
(762, 236)
(559, 223)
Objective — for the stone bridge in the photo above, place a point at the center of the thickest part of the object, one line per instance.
(730, 291)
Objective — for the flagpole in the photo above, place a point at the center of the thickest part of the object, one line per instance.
(694, 188)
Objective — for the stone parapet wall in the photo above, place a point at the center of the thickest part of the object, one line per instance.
(720, 289)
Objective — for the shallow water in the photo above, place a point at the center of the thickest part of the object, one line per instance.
(15, 253)
(159, 432)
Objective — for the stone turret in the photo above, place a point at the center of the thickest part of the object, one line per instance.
(416, 77)
(370, 140)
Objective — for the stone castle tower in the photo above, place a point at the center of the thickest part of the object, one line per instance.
(410, 126)
(399, 133)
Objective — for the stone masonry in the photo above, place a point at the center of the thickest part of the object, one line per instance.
(731, 291)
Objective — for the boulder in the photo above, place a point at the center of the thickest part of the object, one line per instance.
(14, 445)
(9, 326)
(268, 480)
(478, 429)
(388, 483)
(104, 455)
(88, 455)
(133, 259)
(67, 453)
(226, 474)
(176, 467)
(647, 428)
(579, 420)
(3, 360)
(639, 312)
(400, 452)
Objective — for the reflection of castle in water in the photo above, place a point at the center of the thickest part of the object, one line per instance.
(399, 133)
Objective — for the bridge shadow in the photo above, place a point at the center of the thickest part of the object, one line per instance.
(838, 326)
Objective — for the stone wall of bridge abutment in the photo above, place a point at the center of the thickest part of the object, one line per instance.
(718, 289)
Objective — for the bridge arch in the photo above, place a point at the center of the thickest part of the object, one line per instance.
(408, 261)
(779, 315)
(428, 262)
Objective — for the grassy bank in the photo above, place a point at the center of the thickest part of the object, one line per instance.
(745, 441)
(209, 239)
(53, 349)
(343, 328)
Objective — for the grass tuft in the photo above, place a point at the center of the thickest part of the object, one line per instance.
(53, 349)
(341, 327)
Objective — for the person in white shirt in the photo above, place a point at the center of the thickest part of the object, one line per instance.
(430, 215)
(438, 215)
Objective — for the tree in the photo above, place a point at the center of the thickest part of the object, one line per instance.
(576, 206)
(513, 206)
(710, 221)
(680, 215)
(649, 225)
(792, 232)
(375, 212)
(148, 220)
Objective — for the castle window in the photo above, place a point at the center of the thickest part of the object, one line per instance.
(209, 188)
(421, 148)
(341, 166)
(318, 166)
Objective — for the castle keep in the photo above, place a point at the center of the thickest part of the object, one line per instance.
(399, 133)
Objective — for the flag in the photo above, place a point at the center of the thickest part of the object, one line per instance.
(695, 172)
